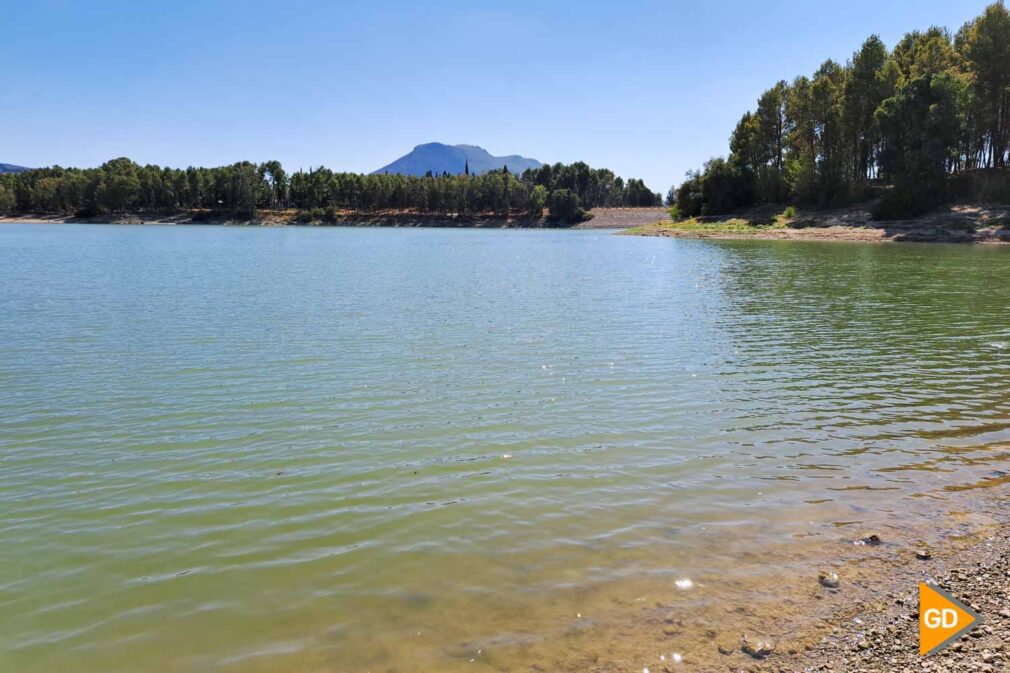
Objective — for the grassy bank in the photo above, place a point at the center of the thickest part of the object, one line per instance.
(743, 225)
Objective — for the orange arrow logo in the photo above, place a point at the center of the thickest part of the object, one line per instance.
(942, 619)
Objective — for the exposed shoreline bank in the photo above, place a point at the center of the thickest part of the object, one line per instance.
(602, 218)
(966, 223)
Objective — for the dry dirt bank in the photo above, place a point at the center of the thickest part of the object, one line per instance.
(603, 218)
(965, 223)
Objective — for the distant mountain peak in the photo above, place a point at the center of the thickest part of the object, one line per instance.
(440, 158)
(11, 168)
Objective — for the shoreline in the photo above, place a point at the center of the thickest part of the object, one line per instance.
(764, 587)
(962, 223)
(868, 624)
(602, 218)
(988, 236)
(881, 635)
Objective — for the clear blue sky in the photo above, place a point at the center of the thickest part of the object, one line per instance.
(648, 89)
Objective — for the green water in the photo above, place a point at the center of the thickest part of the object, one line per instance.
(241, 449)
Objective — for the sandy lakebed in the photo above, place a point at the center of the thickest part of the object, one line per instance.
(868, 623)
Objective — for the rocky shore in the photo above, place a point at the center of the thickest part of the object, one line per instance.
(877, 634)
(883, 637)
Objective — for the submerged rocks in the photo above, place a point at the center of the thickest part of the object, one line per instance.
(872, 540)
(923, 554)
(828, 579)
(757, 649)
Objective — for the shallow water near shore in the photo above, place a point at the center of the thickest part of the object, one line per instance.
(399, 450)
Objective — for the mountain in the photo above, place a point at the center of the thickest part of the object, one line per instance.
(11, 168)
(453, 159)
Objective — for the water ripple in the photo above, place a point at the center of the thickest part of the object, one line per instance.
(301, 434)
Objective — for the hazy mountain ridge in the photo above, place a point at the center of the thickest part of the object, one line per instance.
(11, 168)
(453, 159)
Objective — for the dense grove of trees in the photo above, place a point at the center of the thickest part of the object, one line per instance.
(935, 105)
(121, 185)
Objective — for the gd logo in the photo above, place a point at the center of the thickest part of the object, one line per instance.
(942, 619)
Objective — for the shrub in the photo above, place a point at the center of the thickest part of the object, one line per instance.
(900, 203)
(538, 199)
(985, 185)
(564, 207)
(689, 196)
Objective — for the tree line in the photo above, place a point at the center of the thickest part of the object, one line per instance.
(926, 117)
(120, 186)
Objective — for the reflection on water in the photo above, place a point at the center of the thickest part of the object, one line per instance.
(266, 449)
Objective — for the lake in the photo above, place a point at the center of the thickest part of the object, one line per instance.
(278, 449)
